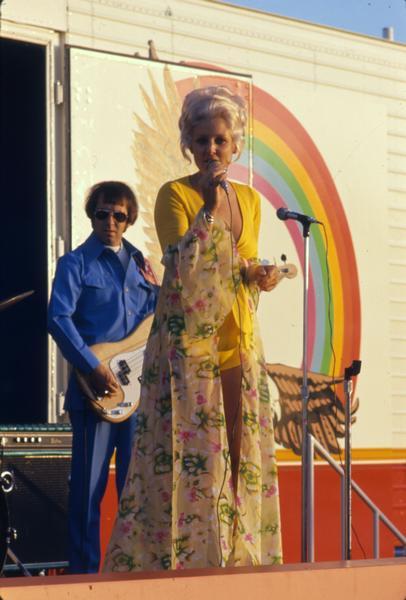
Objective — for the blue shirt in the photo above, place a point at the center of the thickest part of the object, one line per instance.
(95, 300)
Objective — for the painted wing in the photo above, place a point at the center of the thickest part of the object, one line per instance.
(156, 154)
(325, 408)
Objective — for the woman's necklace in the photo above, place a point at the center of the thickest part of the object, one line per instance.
(225, 210)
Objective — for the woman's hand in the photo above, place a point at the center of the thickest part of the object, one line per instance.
(265, 276)
(210, 183)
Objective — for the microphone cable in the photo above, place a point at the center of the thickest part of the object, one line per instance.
(225, 187)
(335, 397)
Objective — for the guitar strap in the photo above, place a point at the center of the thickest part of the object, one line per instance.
(146, 269)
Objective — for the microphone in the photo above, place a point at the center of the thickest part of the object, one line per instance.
(222, 184)
(284, 214)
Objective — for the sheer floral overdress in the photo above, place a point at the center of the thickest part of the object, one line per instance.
(178, 509)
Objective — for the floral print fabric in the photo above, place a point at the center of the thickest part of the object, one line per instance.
(178, 509)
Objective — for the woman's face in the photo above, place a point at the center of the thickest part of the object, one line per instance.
(212, 140)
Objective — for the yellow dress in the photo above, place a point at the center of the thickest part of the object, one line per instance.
(176, 208)
(178, 509)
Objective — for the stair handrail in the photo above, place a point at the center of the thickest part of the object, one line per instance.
(378, 515)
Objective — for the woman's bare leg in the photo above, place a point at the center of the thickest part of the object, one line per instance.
(231, 384)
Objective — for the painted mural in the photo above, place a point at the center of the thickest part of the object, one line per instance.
(282, 162)
(288, 171)
(301, 149)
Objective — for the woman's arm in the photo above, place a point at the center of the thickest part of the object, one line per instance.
(253, 272)
(171, 218)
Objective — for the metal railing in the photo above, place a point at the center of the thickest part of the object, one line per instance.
(378, 515)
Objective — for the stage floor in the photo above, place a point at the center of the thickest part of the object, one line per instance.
(353, 580)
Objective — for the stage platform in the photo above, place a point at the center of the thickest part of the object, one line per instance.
(353, 580)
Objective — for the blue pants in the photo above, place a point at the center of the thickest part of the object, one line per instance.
(93, 444)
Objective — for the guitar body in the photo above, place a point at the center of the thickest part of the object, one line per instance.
(124, 359)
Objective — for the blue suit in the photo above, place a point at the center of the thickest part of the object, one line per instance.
(97, 296)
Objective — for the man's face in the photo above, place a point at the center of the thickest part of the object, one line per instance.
(110, 221)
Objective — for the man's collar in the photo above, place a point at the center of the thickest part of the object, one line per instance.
(129, 247)
(93, 247)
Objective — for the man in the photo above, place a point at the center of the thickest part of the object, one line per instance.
(102, 290)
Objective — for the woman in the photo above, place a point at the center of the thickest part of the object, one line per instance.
(202, 487)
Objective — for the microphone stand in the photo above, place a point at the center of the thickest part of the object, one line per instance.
(349, 372)
(306, 547)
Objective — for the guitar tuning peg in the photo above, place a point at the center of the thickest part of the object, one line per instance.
(283, 258)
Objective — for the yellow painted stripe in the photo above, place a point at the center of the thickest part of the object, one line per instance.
(270, 138)
(357, 454)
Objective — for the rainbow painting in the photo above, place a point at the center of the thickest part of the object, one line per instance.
(289, 171)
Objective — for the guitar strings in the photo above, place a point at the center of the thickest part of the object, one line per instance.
(135, 360)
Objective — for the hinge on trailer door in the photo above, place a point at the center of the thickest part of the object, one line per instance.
(60, 248)
(58, 92)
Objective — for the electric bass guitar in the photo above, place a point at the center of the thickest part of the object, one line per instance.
(124, 359)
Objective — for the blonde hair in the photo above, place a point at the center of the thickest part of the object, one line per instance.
(210, 103)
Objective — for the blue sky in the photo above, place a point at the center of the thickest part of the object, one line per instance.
(361, 16)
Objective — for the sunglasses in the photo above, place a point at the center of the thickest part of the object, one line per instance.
(102, 214)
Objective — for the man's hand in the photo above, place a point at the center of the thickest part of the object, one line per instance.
(103, 381)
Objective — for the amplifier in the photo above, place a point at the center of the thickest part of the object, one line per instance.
(39, 457)
(31, 437)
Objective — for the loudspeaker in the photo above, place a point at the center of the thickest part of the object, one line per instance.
(39, 460)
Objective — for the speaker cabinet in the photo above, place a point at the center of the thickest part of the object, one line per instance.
(37, 506)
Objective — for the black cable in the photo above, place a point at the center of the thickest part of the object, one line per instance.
(239, 350)
(227, 456)
(330, 323)
(353, 529)
(239, 313)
